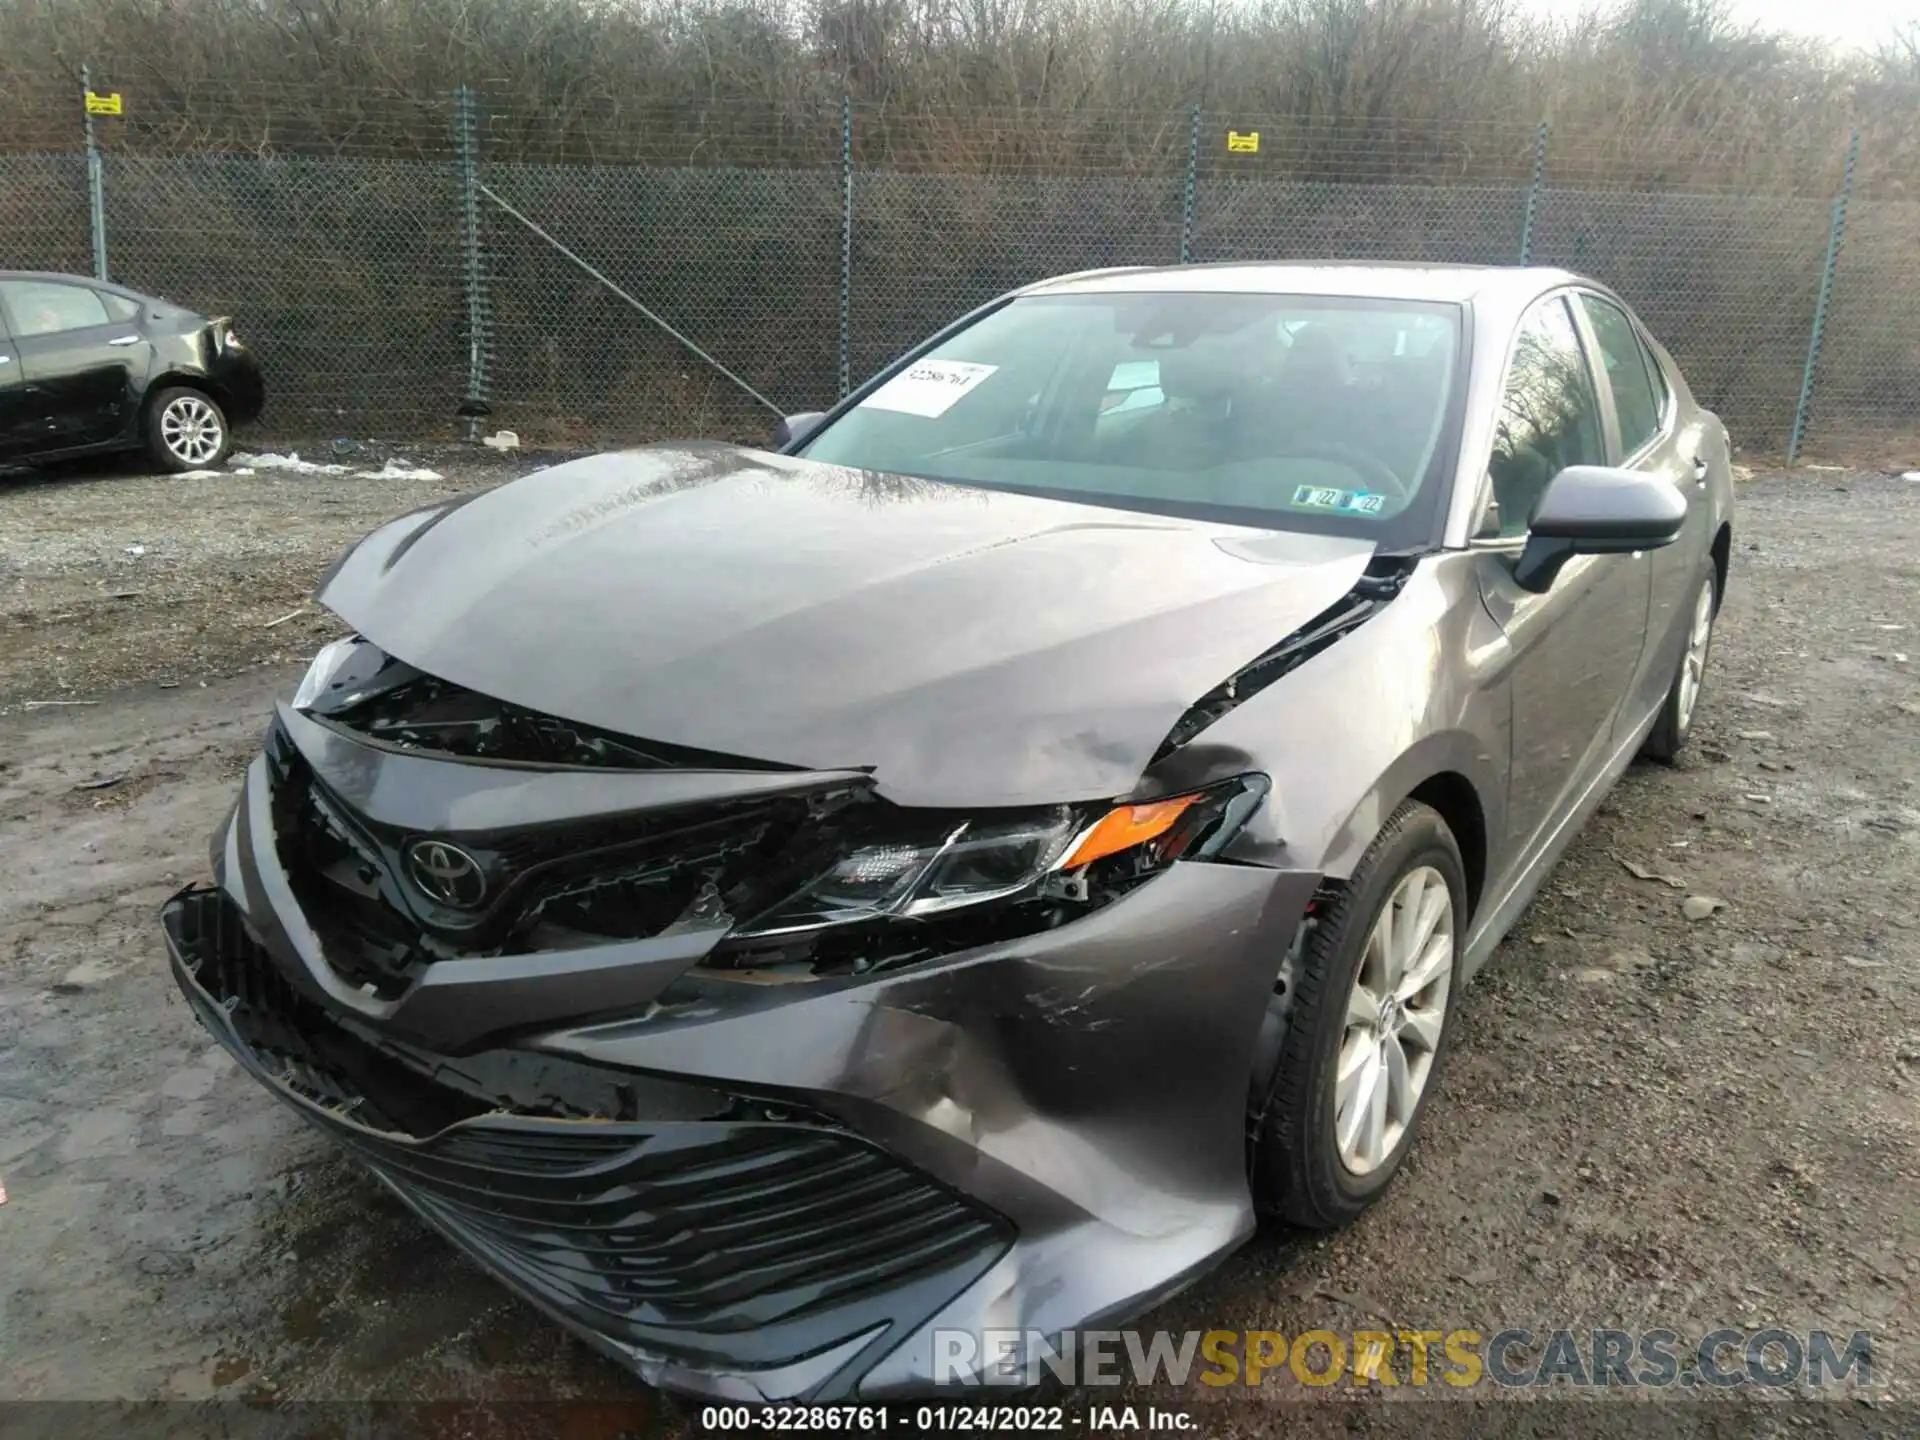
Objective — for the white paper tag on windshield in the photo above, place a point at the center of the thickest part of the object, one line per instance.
(928, 387)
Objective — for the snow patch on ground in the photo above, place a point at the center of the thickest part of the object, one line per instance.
(292, 464)
(400, 470)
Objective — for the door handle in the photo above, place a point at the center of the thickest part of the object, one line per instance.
(6, 359)
(124, 340)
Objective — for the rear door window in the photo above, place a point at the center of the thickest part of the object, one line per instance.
(1661, 393)
(1635, 401)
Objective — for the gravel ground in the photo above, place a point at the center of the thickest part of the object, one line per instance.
(113, 577)
(1647, 1120)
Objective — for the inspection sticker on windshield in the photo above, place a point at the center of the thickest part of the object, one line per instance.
(928, 387)
(1328, 497)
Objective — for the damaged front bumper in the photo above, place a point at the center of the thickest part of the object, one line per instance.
(786, 1192)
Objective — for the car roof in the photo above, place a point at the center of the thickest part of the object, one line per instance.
(1460, 284)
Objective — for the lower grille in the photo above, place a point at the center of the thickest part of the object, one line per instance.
(740, 1239)
(708, 1229)
(532, 1152)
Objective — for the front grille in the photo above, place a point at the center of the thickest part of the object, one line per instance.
(744, 1238)
(550, 887)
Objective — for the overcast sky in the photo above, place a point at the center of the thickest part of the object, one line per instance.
(1861, 23)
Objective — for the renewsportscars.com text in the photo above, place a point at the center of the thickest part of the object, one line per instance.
(1514, 1358)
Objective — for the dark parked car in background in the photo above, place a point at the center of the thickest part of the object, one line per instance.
(88, 368)
(781, 912)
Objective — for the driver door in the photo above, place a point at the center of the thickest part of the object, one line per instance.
(1575, 648)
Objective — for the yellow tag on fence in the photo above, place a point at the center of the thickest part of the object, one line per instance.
(1247, 144)
(103, 104)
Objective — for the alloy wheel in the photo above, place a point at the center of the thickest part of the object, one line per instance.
(1395, 1013)
(1694, 669)
(191, 429)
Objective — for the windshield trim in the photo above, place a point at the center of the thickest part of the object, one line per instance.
(1418, 529)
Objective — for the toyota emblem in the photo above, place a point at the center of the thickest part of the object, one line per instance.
(446, 874)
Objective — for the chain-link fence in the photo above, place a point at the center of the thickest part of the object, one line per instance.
(407, 267)
(1866, 389)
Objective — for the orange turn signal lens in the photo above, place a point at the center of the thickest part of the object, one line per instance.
(1125, 827)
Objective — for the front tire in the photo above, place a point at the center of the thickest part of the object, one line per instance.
(1669, 734)
(187, 430)
(1363, 1047)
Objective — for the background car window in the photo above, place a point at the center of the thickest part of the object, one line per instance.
(119, 307)
(1634, 400)
(1549, 417)
(42, 307)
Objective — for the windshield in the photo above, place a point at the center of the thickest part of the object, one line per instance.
(1287, 411)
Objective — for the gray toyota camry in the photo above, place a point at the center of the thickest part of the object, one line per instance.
(788, 912)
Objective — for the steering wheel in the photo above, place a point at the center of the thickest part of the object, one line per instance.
(1377, 473)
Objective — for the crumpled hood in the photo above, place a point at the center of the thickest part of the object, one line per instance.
(969, 647)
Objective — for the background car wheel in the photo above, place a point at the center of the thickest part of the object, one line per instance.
(1372, 996)
(187, 430)
(1669, 732)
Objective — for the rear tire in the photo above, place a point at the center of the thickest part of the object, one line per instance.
(1669, 734)
(1318, 1158)
(187, 430)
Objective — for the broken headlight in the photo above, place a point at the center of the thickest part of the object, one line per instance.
(955, 863)
(922, 870)
(346, 672)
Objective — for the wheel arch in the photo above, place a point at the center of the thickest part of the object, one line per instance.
(1722, 551)
(1451, 774)
(188, 380)
(1452, 795)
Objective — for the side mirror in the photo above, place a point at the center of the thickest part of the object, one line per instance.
(1597, 510)
(795, 428)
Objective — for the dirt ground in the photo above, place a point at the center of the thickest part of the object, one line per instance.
(1648, 1120)
(113, 577)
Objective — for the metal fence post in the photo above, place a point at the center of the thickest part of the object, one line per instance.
(1533, 192)
(466, 135)
(846, 243)
(1186, 200)
(96, 178)
(1836, 232)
